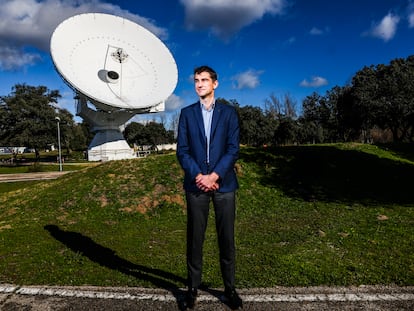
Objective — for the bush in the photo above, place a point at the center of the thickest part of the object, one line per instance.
(35, 167)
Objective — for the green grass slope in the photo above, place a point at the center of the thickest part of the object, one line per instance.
(309, 215)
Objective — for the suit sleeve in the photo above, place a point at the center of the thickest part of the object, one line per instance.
(187, 162)
(229, 158)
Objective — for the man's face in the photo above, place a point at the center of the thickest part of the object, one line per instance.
(204, 85)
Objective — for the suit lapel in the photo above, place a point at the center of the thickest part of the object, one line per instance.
(214, 122)
(198, 117)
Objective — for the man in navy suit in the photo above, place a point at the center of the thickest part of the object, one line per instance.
(207, 149)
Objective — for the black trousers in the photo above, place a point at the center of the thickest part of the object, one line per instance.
(198, 207)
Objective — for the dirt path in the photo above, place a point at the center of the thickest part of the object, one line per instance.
(30, 176)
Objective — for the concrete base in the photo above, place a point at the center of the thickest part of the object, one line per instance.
(109, 145)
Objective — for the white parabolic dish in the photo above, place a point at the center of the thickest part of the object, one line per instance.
(113, 61)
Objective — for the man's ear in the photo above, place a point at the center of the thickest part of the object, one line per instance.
(215, 84)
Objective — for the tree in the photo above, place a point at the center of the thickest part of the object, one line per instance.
(152, 134)
(349, 116)
(28, 119)
(158, 134)
(312, 119)
(83, 130)
(68, 132)
(397, 83)
(28, 116)
(282, 115)
(307, 131)
(286, 132)
(134, 134)
(331, 118)
(385, 95)
(255, 128)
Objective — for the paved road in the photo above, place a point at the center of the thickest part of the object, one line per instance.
(37, 298)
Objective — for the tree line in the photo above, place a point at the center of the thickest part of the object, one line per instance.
(376, 106)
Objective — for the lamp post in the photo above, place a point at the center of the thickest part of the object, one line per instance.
(60, 152)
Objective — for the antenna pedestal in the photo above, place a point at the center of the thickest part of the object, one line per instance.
(109, 145)
(109, 142)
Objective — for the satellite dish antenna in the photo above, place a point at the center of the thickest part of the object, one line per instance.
(119, 67)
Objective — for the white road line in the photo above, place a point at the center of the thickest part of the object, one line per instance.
(327, 297)
(335, 297)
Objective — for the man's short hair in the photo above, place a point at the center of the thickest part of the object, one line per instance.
(213, 74)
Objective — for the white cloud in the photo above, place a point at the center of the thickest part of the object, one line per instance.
(12, 58)
(67, 100)
(30, 23)
(411, 20)
(315, 31)
(248, 79)
(291, 40)
(318, 32)
(225, 17)
(314, 82)
(386, 28)
(173, 102)
(410, 16)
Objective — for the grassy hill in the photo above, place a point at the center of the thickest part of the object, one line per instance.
(309, 215)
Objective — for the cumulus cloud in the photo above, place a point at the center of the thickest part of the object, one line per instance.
(247, 80)
(12, 58)
(386, 28)
(173, 103)
(225, 17)
(30, 23)
(314, 82)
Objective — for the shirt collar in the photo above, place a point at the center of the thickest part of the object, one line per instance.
(211, 108)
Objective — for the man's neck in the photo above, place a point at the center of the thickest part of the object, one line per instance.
(207, 102)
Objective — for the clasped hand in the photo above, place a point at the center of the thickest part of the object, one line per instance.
(208, 182)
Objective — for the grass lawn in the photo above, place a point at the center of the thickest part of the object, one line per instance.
(27, 163)
(338, 214)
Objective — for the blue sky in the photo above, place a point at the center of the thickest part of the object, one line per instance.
(258, 47)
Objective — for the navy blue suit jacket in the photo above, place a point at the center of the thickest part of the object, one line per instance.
(224, 145)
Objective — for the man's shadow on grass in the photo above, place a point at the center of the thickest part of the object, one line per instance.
(107, 257)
